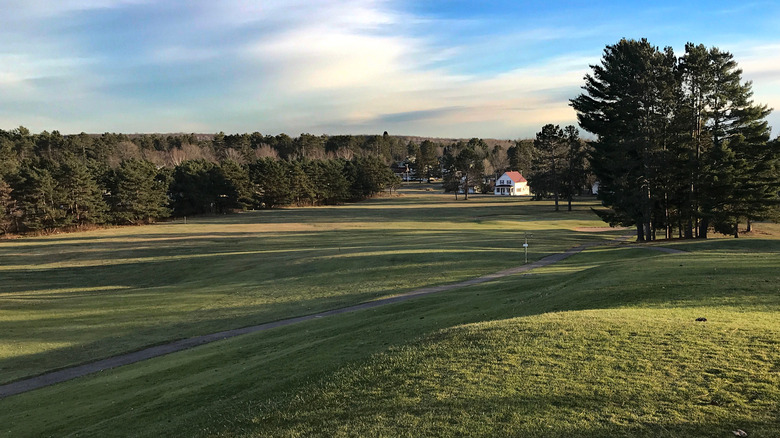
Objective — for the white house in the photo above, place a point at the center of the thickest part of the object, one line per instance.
(512, 184)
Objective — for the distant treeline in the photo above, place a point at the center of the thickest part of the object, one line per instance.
(50, 181)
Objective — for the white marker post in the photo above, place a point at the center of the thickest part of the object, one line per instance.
(525, 247)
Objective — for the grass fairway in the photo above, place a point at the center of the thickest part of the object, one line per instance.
(69, 299)
(604, 343)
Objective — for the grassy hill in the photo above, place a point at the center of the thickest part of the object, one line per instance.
(602, 344)
(611, 349)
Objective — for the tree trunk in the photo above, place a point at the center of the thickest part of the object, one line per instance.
(689, 229)
(667, 226)
(703, 226)
(749, 226)
(640, 237)
(569, 203)
(736, 230)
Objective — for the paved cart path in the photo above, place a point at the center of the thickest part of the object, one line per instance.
(70, 373)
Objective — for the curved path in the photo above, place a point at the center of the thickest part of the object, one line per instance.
(66, 374)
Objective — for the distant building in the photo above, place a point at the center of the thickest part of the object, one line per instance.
(403, 170)
(511, 184)
(595, 188)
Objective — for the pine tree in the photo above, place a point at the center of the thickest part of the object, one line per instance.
(301, 186)
(678, 141)
(7, 208)
(574, 172)
(138, 194)
(549, 164)
(521, 155)
(38, 198)
(232, 186)
(736, 124)
(270, 182)
(80, 193)
(469, 164)
(426, 164)
(623, 105)
(195, 188)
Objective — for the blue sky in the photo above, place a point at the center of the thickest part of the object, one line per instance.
(497, 69)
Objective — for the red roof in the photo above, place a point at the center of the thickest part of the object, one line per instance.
(516, 177)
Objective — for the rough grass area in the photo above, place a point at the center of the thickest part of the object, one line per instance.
(72, 298)
(606, 343)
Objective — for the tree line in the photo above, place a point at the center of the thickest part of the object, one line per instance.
(680, 144)
(49, 181)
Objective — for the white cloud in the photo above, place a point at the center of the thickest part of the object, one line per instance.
(320, 66)
(309, 65)
(368, 74)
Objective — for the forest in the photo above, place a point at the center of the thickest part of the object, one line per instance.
(50, 181)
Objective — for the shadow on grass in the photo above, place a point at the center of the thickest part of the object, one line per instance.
(206, 389)
(104, 310)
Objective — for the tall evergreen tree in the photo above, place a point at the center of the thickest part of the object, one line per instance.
(548, 165)
(138, 193)
(38, 197)
(678, 135)
(470, 164)
(426, 163)
(80, 193)
(234, 189)
(368, 176)
(623, 105)
(7, 208)
(301, 186)
(521, 155)
(270, 182)
(574, 172)
(201, 187)
(741, 126)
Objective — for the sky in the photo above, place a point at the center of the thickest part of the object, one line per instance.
(439, 68)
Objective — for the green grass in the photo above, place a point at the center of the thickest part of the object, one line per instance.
(72, 298)
(585, 374)
(603, 344)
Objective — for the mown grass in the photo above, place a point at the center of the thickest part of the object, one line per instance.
(588, 373)
(73, 298)
(603, 344)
